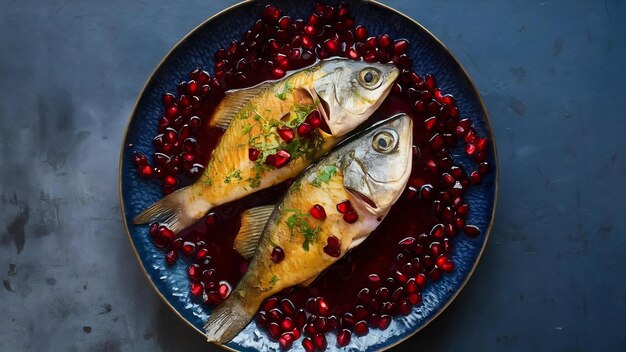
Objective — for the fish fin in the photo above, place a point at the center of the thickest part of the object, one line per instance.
(233, 102)
(252, 224)
(309, 281)
(356, 242)
(176, 211)
(227, 320)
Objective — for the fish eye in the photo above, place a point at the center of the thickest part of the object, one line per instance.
(370, 78)
(384, 141)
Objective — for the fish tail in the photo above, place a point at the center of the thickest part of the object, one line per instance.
(227, 320)
(177, 210)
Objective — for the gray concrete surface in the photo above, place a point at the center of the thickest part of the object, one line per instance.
(551, 74)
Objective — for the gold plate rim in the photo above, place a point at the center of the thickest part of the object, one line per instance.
(381, 5)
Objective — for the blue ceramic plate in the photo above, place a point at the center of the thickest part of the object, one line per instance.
(196, 49)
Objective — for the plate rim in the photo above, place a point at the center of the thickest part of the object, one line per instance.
(474, 90)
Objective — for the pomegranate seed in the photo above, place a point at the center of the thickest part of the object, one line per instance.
(286, 324)
(274, 331)
(470, 149)
(310, 329)
(170, 181)
(382, 293)
(475, 177)
(146, 171)
(407, 243)
(361, 328)
(253, 154)
(282, 158)
(168, 98)
(278, 73)
(318, 212)
(171, 111)
(300, 317)
(447, 267)
(296, 333)
(308, 345)
(415, 298)
(275, 315)
(314, 119)
(322, 306)
(304, 130)
(353, 54)
(360, 32)
(286, 134)
(188, 248)
(343, 338)
(139, 159)
(384, 41)
(437, 231)
(350, 216)
(385, 320)
(471, 231)
(270, 304)
(400, 46)
(431, 83)
(307, 42)
(277, 255)
(261, 319)
(364, 295)
(171, 257)
(270, 159)
(196, 289)
(483, 168)
(333, 247)
(286, 340)
(224, 289)
(411, 286)
(194, 272)
(320, 341)
(153, 229)
(436, 141)
(348, 321)
(344, 207)
(287, 307)
(401, 277)
(434, 274)
(421, 280)
(374, 280)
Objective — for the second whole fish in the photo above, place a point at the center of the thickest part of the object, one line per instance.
(331, 208)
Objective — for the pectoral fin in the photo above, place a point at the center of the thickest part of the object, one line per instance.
(233, 103)
(252, 224)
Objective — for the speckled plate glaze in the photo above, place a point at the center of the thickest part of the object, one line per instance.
(196, 49)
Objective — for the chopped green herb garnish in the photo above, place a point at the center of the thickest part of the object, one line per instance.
(234, 174)
(297, 222)
(286, 90)
(324, 175)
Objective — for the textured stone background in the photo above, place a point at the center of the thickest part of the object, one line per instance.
(551, 74)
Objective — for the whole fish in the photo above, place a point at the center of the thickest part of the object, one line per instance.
(332, 207)
(274, 131)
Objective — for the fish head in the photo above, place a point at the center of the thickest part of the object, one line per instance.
(377, 165)
(350, 91)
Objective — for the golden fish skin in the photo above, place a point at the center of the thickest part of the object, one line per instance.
(253, 117)
(382, 156)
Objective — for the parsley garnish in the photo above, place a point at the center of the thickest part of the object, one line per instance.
(324, 175)
(234, 174)
(297, 221)
(286, 90)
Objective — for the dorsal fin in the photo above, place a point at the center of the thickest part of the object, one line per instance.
(252, 224)
(233, 102)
